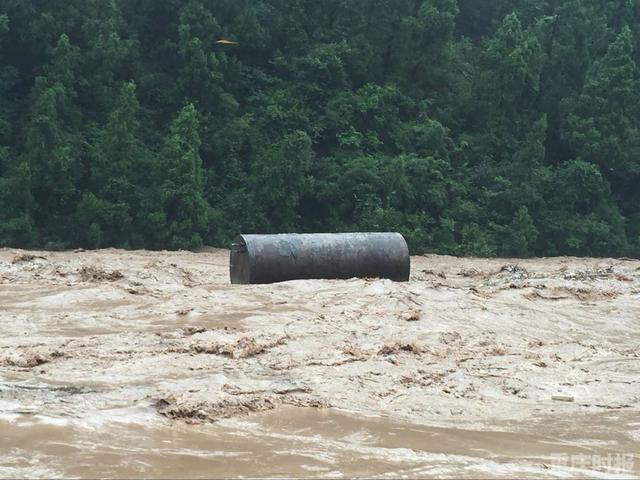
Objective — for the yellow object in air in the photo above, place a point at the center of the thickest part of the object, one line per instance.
(227, 42)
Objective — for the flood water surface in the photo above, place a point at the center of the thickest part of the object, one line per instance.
(289, 442)
(149, 364)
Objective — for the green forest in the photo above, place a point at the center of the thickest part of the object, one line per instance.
(502, 127)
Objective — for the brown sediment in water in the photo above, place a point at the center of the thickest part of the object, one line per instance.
(452, 374)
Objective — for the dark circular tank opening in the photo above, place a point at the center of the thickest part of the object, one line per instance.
(239, 265)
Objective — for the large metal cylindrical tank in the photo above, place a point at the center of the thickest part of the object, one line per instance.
(278, 258)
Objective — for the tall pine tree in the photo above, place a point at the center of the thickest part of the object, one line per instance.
(184, 207)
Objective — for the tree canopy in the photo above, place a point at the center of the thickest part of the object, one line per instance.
(507, 128)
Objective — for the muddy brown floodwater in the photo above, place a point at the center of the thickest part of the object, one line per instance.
(150, 364)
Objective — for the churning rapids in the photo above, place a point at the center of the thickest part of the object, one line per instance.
(150, 364)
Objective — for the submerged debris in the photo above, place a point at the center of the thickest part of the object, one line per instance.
(562, 398)
(234, 404)
(411, 315)
(515, 272)
(94, 274)
(245, 347)
(590, 274)
(469, 273)
(26, 257)
(30, 359)
(392, 348)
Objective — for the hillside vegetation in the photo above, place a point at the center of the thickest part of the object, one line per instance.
(507, 127)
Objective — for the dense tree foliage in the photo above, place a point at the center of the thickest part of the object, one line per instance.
(510, 127)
